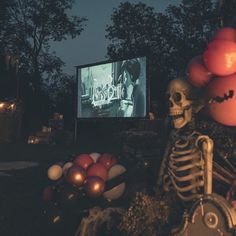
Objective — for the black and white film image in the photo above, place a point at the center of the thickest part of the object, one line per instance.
(116, 89)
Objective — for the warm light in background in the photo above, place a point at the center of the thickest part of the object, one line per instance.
(12, 107)
(151, 116)
(33, 140)
(2, 104)
(7, 106)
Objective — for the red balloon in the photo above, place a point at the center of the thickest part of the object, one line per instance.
(198, 74)
(83, 160)
(76, 175)
(220, 57)
(94, 186)
(99, 170)
(107, 160)
(226, 33)
(221, 95)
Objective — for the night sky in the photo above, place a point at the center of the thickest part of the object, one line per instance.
(90, 46)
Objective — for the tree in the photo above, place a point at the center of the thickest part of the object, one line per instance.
(193, 24)
(62, 91)
(227, 12)
(128, 32)
(31, 26)
(169, 39)
(135, 31)
(4, 20)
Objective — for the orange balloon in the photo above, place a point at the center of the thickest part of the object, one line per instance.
(226, 33)
(55, 172)
(198, 74)
(221, 94)
(220, 57)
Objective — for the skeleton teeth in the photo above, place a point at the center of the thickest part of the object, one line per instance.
(176, 113)
(178, 118)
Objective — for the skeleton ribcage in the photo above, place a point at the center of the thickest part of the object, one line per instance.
(186, 170)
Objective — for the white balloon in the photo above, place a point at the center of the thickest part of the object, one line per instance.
(117, 191)
(55, 172)
(66, 166)
(95, 156)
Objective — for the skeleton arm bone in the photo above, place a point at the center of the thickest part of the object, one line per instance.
(206, 144)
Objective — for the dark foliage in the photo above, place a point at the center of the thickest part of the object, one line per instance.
(169, 39)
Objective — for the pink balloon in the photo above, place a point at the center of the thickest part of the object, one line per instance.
(198, 74)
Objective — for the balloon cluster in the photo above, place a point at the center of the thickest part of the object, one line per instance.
(216, 70)
(77, 181)
(87, 172)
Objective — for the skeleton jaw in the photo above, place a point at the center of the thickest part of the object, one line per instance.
(181, 117)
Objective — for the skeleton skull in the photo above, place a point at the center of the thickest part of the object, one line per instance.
(180, 107)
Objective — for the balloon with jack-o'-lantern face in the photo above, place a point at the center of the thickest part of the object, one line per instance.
(221, 97)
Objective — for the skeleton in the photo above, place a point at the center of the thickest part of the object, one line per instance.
(187, 163)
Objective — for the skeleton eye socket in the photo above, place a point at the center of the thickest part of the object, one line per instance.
(177, 97)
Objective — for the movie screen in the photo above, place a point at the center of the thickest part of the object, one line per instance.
(115, 89)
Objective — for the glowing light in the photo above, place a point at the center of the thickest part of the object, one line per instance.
(230, 59)
(2, 104)
(56, 219)
(71, 196)
(96, 186)
(151, 116)
(33, 140)
(78, 177)
(146, 163)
